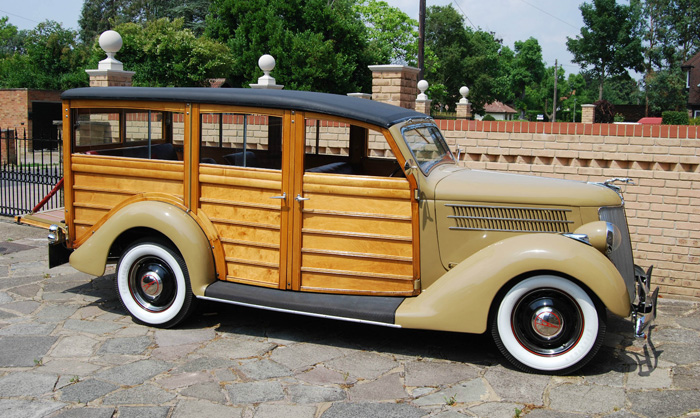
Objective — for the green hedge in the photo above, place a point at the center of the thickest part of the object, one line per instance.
(674, 118)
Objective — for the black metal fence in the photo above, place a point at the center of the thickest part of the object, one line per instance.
(30, 169)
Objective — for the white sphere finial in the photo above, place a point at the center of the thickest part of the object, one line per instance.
(111, 42)
(464, 91)
(422, 86)
(266, 63)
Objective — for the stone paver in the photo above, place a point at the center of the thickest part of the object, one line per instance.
(67, 349)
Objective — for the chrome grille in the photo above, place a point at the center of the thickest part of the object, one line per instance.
(622, 258)
(509, 219)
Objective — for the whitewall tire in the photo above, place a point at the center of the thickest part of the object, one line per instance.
(548, 324)
(153, 284)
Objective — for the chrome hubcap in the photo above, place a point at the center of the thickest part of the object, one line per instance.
(547, 322)
(151, 284)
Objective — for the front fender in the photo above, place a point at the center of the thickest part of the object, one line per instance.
(168, 219)
(460, 300)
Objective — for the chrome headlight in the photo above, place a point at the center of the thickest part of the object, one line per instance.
(603, 236)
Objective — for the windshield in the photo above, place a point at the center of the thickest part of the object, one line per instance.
(427, 145)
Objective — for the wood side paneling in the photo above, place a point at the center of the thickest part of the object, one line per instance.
(100, 183)
(357, 235)
(239, 204)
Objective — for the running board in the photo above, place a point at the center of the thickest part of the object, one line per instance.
(375, 310)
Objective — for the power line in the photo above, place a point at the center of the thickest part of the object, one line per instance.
(21, 17)
(549, 14)
(464, 14)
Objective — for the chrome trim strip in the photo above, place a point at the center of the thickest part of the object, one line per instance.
(315, 315)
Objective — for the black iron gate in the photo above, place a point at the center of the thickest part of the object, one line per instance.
(30, 170)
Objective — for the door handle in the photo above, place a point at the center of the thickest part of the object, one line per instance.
(301, 199)
(283, 197)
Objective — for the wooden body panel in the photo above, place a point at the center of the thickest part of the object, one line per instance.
(238, 203)
(100, 183)
(356, 235)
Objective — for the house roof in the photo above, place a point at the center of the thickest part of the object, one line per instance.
(498, 107)
(363, 110)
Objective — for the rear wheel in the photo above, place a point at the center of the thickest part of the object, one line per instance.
(153, 284)
(548, 324)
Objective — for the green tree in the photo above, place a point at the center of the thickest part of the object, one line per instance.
(527, 70)
(671, 28)
(464, 57)
(393, 36)
(319, 45)
(666, 90)
(164, 53)
(683, 23)
(51, 58)
(98, 16)
(610, 41)
(11, 40)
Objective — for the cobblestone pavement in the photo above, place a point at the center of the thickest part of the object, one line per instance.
(67, 349)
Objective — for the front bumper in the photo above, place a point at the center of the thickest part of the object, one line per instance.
(644, 308)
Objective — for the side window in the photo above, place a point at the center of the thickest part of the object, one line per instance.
(95, 128)
(243, 140)
(343, 148)
(142, 134)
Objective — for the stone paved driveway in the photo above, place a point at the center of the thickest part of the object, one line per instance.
(68, 350)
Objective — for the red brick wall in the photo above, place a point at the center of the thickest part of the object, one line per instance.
(15, 105)
(663, 207)
(14, 109)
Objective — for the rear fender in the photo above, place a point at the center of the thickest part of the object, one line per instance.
(461, 299)
(172, 221)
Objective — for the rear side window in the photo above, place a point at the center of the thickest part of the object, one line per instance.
(142, 134)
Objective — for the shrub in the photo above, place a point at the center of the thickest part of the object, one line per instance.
(604, 112)
(671, 117)
(694, 121)
(488, 118)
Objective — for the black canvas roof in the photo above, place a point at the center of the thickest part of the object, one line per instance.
(363, 110)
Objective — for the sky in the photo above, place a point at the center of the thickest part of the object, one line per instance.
(548, 21)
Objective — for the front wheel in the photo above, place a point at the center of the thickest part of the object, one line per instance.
(548, 324)
(153, 284)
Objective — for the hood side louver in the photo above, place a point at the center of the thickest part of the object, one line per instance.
(509, 219)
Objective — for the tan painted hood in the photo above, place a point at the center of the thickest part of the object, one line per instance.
(494, 187)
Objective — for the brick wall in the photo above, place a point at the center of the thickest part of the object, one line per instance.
(14, 109)
(663, 207)
(15, 105)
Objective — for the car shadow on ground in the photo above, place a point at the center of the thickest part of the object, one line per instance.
(476, 349)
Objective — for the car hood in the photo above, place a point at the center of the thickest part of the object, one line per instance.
(494, 187)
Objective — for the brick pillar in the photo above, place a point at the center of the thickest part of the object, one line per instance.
(464, 110)
(395, 84)
(110, 78)
(110, 71)
(423, 106)
(8, 147)
(588, 113)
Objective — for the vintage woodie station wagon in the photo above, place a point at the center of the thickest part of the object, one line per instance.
(337, 207)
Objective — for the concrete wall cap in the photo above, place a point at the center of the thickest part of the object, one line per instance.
(393, 68)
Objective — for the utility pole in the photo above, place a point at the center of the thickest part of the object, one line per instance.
(554, 101)
(421, 39)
